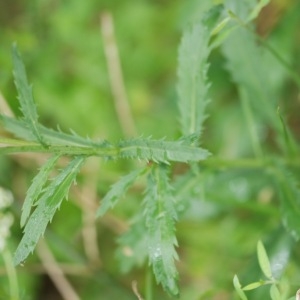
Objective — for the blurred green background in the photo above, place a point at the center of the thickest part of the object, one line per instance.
(63, 50)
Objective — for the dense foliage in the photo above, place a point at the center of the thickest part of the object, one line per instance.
(195, 172)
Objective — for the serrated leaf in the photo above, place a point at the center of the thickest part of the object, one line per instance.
(117, 191)
(160, 216)
(17, 127)
(57, 137)
(263, 260)
(238, 288)
(274, 293)
(25, 95)
(36, 188)
(192, 84)
(49, 202)
(161, 150)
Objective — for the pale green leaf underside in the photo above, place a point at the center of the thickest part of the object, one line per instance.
(160, 215)
(49, 202)
(25, 95)
(117, 191)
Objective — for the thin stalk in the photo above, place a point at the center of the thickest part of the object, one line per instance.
(149, 284)
(11, 274)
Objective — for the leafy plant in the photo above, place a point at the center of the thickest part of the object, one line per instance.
(278, 290)
(166, 197)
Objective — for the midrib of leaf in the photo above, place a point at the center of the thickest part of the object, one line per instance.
(49, 202)
(156, 150)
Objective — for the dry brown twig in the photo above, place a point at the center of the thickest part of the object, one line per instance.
(135, 290)
(115, 74)
(55, 272)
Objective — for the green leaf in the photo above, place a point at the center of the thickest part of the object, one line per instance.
(117, 191)
(48, 203)
(240, 8)
(160, 216)
(249, 70)
(252, 286)
(289, 194)
(57, 137)
(25, 95)
(238, 288)
(274, 293)
(263, 260)
(257, 9)
(160, 150)
(192, 84)
(36, 188)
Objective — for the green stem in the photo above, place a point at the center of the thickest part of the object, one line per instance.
(251, 126)
(149, 284)
(61, 149)
(12, 275)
